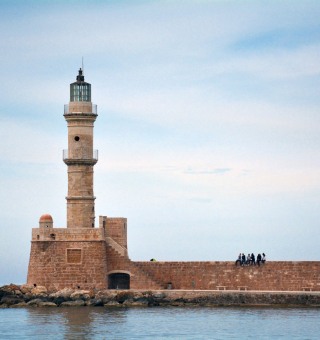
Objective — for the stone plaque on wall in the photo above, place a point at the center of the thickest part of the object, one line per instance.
(74, 255)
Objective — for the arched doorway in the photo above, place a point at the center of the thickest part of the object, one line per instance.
(119, 281)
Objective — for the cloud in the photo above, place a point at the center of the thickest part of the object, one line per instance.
(217, 171)
(29, 143)
(201, 200)
(280, 63)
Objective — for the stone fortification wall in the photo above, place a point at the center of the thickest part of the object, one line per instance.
(60, 264)
(271, 276)
(139, 279)
(92, 258)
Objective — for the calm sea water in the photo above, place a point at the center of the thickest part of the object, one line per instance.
(159, 323)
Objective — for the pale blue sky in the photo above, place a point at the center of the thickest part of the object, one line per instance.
(208, 129)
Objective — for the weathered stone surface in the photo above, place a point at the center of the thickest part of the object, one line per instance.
(65, 293)
(26, 288)
(55, 267)
(76, 303)
(39, 290)
(58, 300)
(14, 296)
(106, 295)
(8, 290)
(34, 302)
(94, 302)
(46, 304)
(28, 296)
(123, 296)
(19, 305)
(138, 303)
(82, 295)
(158, 295)
(113, 304)
(11, 300)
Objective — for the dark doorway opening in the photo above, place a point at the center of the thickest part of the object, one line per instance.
(119, 281)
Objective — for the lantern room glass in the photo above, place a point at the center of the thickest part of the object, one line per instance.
(80, 91)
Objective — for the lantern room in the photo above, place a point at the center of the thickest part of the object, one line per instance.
(80, 91)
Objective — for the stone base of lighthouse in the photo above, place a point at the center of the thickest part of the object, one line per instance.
(85, 258)
(64, 257)
(60, 264)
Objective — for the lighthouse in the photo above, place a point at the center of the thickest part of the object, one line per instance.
(80, 157)
(78, 254)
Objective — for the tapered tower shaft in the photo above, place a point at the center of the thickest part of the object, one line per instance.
(80, 157)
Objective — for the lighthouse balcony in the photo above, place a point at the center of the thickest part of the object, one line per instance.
(79, 107)
(79, 156)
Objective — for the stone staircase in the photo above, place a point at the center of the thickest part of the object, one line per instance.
(116, 246)
(118, 260)
(149, 275)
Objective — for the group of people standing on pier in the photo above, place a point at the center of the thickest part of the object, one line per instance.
(250, 260)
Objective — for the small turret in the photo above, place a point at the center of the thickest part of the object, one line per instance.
(46, 221)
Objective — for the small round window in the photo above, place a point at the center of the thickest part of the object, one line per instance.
(77, 138)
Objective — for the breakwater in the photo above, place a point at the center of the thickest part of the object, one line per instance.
(12, 296)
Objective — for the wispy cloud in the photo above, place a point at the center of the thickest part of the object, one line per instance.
(217, 171)
(201, 200)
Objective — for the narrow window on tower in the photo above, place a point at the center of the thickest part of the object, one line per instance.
(77, 138)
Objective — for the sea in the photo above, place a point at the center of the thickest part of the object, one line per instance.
(160, 323)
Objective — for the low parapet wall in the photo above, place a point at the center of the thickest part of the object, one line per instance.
(67, 234)
(271, 276)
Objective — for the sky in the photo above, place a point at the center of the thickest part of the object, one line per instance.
(208, 125)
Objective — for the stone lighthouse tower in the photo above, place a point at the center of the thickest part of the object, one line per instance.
(80, 255)
(80, 157)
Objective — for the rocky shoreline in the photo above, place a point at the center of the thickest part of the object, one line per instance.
(14, 296)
